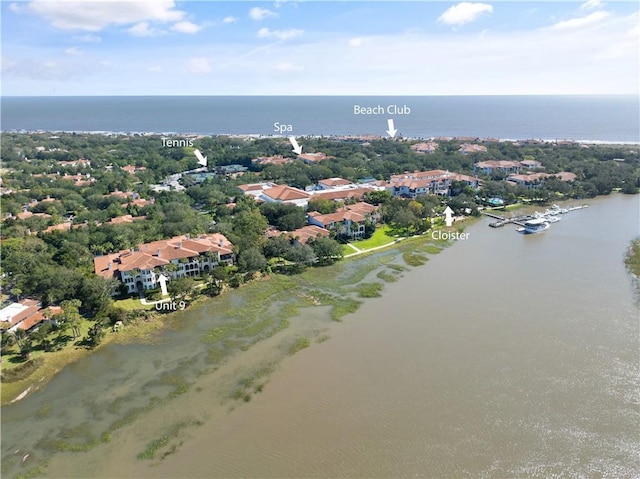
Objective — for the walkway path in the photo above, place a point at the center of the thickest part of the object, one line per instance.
(360, 251)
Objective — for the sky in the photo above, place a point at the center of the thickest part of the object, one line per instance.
(167, 47)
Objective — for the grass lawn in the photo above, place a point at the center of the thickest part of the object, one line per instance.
(347, 249)
(379, 238)
(131, 304)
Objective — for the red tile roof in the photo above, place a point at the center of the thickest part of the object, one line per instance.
(313, 157)
(339, 216)
(159, 253)
(342, 194)
(335, 182)
(306, 233)
(285, 193)
(34, 319)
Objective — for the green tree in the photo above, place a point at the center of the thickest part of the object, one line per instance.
(180, 288)
(302, 255)
(42, 336)
(248, 229)
(327, 250)
(25, 345)
(95, 335)
(276, 247)
(322, 205)
(71, 316)
(251, 260)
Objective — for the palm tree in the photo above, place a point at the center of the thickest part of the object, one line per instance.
(16, 292)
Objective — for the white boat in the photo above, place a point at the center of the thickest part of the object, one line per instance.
(535, 225)
(552, 218)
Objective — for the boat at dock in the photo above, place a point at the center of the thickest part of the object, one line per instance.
(536, 225)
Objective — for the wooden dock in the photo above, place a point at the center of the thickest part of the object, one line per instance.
(520, 220)
(516, 220)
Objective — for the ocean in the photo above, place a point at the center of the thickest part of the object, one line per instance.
(614, 119)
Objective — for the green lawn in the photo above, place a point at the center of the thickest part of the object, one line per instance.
(379, 238)
(131, 304)
(346, 249)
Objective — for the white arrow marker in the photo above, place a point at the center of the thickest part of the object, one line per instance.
(448, 219)
(201, 159)
(392, 131)
(162, 279)
(297, 149)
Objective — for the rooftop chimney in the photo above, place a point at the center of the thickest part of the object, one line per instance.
(110, 266)
(158, 254)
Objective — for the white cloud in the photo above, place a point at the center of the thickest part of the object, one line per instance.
(592, 5)
(186, 27)
(288, 67)
(199, 65)
(549, 61)
(464, 12)
(259, 13)
(279, 34)
(581, 22)
(88, 38)
(73, 51)
(230, 19)
(356, 42)
(142, 29)
(97, 14)
(15, 8)
(155, 69)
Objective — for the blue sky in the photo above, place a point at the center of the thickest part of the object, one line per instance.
(166, 47)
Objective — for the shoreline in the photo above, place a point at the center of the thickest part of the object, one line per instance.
(136, 331)
(335, 136)
(139, 328)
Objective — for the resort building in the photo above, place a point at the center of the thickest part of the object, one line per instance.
(468, 148)
(334, 183)
(535, 180)
(503, 166)
(348, 221)
(270, 192)
(531, 164)
(420, 183)
(25, 315)
(311, 158)
(428, 147)
(271, 160)
(139, 269)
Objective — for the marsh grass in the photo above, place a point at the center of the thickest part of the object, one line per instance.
(250, 383)
(413, 259)
(43, 411)
(153, 447)
(342, 307)
(431, 249)
(369, 290)
(397, 267)
(632, 259)
(299, 344)
(22, 371)
(387, 277)
(33, 472)
(72, 439)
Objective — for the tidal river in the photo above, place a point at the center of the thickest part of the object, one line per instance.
(506, 355)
